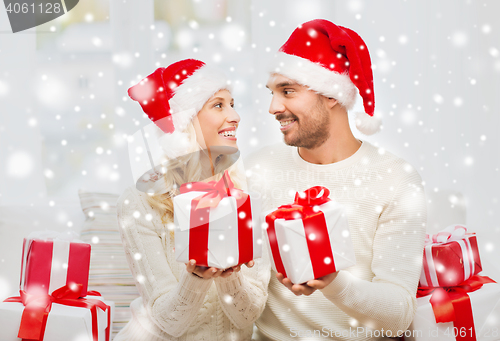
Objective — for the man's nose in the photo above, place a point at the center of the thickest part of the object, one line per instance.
(276, 106)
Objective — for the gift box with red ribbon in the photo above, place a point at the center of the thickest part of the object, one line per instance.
(60, 316)
(469, 311)
(52, 260)
(216, 224)
(309, 238)
(450, 257)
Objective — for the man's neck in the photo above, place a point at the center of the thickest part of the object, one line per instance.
(337, 148)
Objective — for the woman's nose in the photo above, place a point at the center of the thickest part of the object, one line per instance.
(233, 116)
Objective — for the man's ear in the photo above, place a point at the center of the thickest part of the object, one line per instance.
(331, 102)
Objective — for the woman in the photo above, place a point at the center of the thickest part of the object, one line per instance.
(192, 106)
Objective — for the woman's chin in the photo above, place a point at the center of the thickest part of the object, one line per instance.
(227, 148)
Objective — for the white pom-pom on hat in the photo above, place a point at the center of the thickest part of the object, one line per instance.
(367, 124)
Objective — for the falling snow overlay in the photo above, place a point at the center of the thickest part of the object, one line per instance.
(66, 118)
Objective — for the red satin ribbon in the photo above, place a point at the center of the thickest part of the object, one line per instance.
(446, 300)
(37, 309)
(314, 225)
(200, 213)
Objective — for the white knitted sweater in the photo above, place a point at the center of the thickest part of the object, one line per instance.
(386, 211)
(174, 304)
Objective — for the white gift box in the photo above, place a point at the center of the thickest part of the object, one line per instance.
(64, 323)
(294, 250)
(485, 304)
(223, 249)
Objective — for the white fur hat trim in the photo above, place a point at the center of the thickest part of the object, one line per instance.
(325, 82)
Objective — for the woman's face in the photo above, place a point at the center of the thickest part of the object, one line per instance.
(218, 122)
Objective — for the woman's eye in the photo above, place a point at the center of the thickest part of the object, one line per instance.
(218, 105)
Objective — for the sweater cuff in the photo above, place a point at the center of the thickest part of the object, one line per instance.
(338, 285)
(229, 284)
(194, 284)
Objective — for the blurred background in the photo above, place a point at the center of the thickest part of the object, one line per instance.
(65, 115)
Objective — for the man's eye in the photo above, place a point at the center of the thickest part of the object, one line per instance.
(286, 92)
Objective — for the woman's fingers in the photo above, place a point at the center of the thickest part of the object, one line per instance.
(191, 265)
(211, 272)
(217, 273)
(200, 271)
(227, 273)
(205, 272)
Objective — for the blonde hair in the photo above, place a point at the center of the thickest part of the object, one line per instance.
(187, 168)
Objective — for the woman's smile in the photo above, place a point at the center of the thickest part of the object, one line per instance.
(228, 133)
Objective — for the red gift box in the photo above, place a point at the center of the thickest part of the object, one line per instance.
(450, 258)
(37, 308)
(50, 262)
(215, 224)
(309, 238)
(465, 312)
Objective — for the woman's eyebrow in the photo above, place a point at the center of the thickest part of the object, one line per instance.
(217, 99)
(222, 99)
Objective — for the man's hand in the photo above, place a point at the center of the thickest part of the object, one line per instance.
(309, 287)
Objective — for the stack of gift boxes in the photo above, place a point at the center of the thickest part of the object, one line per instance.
(54, 303)
(454, 302)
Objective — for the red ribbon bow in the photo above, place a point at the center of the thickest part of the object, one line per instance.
(449, 234)
(303, 207)
(37, 309)
(200, 211)
(216, 191)
(446, 300)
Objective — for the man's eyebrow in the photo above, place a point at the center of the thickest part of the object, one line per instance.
(283, 84)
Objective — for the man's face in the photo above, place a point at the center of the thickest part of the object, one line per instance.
(302, 113)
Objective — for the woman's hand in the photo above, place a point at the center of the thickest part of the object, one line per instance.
(209, 272)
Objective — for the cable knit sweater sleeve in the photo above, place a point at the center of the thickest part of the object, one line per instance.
(172, 303)
(243, 295)
(388, 301)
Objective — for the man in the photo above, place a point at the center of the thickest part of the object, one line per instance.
(317, 75)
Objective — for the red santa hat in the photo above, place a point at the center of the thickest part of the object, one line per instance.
(173, 96)
(333, 61)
